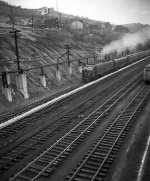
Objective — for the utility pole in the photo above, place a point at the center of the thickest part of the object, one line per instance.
(60, 21)
(68, 57)
(16, 47)
(12, 18)
(67, 47)
(32, 24)
(76, 22)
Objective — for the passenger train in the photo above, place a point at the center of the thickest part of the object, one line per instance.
(91, 72)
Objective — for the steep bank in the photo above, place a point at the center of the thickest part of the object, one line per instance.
(39, 48)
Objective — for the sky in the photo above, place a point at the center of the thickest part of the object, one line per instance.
(113, 11)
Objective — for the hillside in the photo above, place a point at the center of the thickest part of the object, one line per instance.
(37, 49)
(40, 48)
(44, 46)
(134, 27)
(5, 10)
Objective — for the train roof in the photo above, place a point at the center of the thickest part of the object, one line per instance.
(147, 66)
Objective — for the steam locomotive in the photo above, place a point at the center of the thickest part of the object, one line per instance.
(94, 71)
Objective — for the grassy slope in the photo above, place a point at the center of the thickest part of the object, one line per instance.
(41, 48)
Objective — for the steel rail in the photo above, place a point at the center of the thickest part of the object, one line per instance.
(76, 138)
(103, 137)
(121, 133)
(42, 136)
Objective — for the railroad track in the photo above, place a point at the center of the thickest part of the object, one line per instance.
(99, 159)
(16, 127)
(28, 120)
(21, 109)
(48, 161)
(19, 151)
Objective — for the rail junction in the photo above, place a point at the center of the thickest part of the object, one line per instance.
(80, 135)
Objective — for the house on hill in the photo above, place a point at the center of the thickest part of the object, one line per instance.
(43, 10)
(77, 24)
(51, 23)
(107, 27)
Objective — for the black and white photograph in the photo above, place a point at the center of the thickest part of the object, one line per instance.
(75, 90)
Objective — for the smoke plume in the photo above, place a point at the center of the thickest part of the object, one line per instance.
(129, 41)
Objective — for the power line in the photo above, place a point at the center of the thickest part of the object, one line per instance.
(4, 33)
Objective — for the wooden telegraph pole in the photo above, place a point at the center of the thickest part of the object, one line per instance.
(67, 47)
(32, 24)
(12, 18)
(16, 48)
